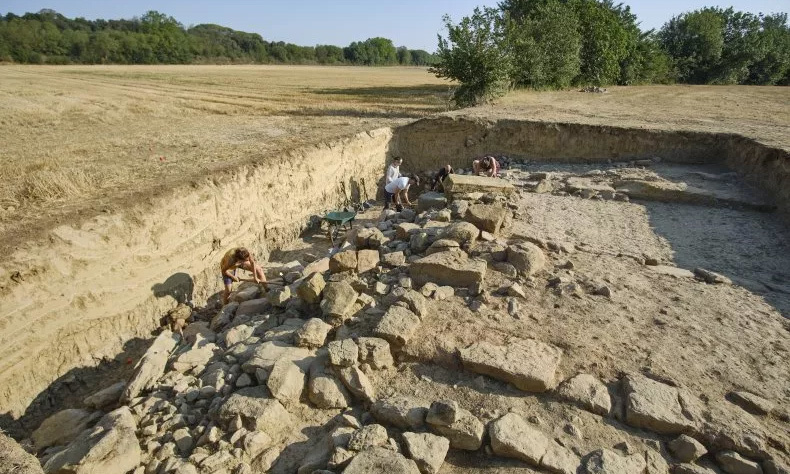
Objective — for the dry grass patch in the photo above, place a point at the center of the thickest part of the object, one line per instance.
(81, 139)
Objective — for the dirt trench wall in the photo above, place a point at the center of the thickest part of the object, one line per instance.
(91, 289)
(433, 142)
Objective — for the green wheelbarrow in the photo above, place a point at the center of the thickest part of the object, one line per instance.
(336, 220)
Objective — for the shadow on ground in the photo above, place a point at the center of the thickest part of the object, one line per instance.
(71, 388)
(751, 248)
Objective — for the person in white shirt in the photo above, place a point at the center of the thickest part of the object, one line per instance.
(398, 191)
(393, 171)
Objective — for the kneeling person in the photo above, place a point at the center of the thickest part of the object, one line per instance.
(233, 260)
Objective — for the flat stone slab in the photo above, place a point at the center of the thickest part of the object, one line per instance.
(587, 392)
(528, 364)
(431, 200)
(397, 326)
(657, 406)
(448, 268)
(513, 437)
(672, 271)
(487, 217)
(258, 411)
(402, 411)
(379, 460)
(466, 432)
(462, 184)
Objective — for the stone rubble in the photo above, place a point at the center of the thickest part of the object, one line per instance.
(229, 395)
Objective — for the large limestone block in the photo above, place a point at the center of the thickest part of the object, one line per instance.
(286, 381)
(431, 200)
(343, 353)
(357, 383)
(448, 268)
(528, 364)
(397, 326)
(111, 447)
(461, 232)
(605, 461)
(324, 389)
(339, 299)
(513, 437)
(402, 411)
(527, 257)
(427, 450)
(587, 392)
(258, 411)
(199, 355)
(105, 397)
(367, 260)
(466, 432)
(150, 367)
(488, 217)
(686, 449)
(266, 354)
(367, 437)
(561, 460)
(311, 287)
(375, 352)
(345, 261)
(312, 334)
(319, 266)
(733, 463)
(62, 427)
(464, 184)
(404, 230)
(656, 406)
(379, 460)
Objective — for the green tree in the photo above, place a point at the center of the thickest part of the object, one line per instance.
(545, 45)
(475, 54)
(695, 41)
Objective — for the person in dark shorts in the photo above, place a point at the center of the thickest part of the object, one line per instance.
(440, 176)
(233, 260)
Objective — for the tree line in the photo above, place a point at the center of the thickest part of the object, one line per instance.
(547, 44)
(48, 37)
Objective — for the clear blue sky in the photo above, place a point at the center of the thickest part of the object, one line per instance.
(412, 23)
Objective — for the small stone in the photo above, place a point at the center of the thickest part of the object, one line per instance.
(686, 449)
(368, 436)
(343, 353)
(312, 334)
(427, 450)
(733, 463)
(443, 412)
(244, 380)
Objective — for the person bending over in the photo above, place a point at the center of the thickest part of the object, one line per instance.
(398, 191)
(233, 260)
(440, 176)
(488, 165)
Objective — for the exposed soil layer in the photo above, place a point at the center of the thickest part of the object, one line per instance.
(96, 287)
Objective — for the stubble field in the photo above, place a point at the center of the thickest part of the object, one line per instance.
(82, 140)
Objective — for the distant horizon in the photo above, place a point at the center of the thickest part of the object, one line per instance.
(411, 23)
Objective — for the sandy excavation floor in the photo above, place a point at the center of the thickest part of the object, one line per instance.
(706, 340)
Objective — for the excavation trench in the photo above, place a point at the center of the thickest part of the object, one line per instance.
(88, 293)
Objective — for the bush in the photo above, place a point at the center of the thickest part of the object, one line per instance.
(476, 55)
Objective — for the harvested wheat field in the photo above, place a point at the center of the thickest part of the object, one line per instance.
(616, 301)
